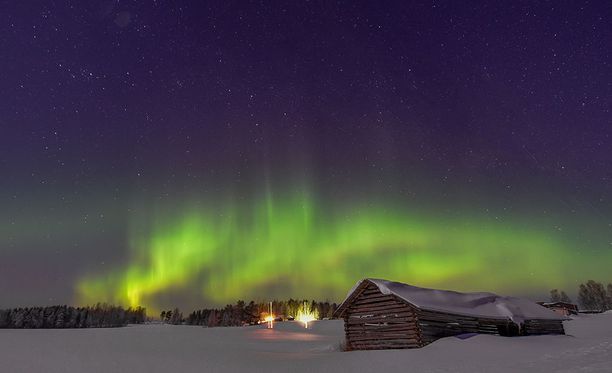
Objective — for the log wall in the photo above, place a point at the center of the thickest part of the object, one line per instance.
(436, 325)
(540, 327)
(373, 320)
(377, 321)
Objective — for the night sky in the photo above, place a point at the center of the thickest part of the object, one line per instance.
(195, 153)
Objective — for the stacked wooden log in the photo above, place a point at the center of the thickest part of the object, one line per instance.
(539, 327)
(436, 325)
(373, 320)
(378, 321)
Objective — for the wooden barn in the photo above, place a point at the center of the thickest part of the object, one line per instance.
(380, 314)
(562, 308)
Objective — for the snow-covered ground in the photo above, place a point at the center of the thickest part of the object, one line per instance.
(289, 347)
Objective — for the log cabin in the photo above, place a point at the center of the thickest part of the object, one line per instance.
(562, 308)
(380, 314)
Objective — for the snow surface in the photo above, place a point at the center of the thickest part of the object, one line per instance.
(472, 304)
(290, 347)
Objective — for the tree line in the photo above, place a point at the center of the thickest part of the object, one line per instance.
(250, 313)
(58, 317)
(592, 296)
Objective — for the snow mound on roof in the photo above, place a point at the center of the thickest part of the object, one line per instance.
(470, 304)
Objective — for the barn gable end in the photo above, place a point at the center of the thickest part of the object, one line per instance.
(374, 320)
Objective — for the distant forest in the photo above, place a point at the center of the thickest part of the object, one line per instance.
(250, 313)
(109, 316)
(57, 317)
(592, 296)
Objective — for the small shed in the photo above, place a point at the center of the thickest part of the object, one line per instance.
(562, 308)
(380, 314)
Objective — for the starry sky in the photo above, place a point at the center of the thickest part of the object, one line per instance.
(193, 153)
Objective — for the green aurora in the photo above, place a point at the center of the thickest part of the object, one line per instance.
(296, 246)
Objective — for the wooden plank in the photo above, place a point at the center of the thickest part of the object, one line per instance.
(371, 291)
(387, 319)
(361, 329)
(373, 345)
(381, 332)
(383, 326)
(381, 308)
(384, 337)
(386, 309)
(387, 303)
(398, 326)
(373, 296)
(383, 346)
(385, 329)
(381, 311)
(370, 314)
(377, 302)
(363, 297)
(409, 332)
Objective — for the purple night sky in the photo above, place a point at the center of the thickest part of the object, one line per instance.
(120, 118)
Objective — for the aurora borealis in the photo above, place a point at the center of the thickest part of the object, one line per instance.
(295, 243)
(194, 153)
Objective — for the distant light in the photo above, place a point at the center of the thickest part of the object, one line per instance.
(306, 314)
(306, 318)
(270, 318)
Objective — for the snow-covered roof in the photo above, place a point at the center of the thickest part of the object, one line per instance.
(487, 305)
(545, 304)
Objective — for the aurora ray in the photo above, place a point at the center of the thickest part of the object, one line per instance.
(314, 251)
